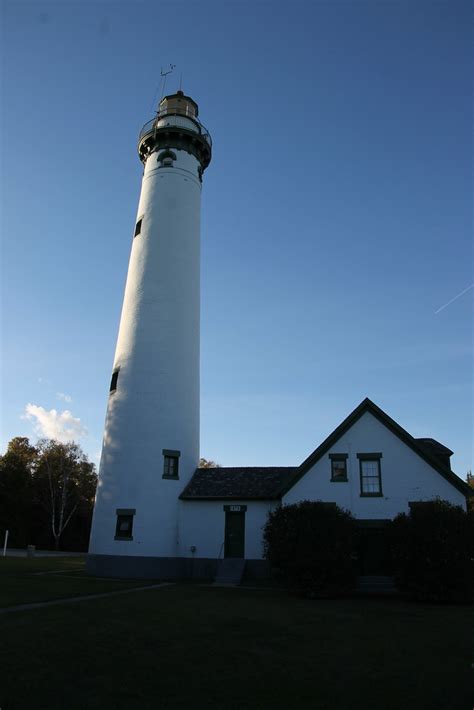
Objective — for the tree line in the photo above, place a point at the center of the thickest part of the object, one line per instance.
(47, 494)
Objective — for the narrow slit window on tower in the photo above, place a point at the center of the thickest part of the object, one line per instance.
(114, 380)
(170, 463)
(138, 227)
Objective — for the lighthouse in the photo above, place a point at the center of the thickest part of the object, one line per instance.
(151, 440)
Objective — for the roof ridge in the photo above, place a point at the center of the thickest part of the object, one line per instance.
(368, 406)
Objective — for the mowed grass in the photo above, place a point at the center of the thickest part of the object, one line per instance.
(23, 580)
(195, 646)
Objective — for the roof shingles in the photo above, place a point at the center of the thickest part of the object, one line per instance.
(252, 483)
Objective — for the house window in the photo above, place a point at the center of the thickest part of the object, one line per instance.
(170, 463)
(338, 467)
(113, 381)
(138, 227)
(370, 474)
(124, 526)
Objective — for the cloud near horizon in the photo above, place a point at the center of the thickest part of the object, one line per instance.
(52, 424)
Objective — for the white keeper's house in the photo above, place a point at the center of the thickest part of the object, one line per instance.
(156, 513)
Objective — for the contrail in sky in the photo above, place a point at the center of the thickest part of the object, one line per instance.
(454, 299)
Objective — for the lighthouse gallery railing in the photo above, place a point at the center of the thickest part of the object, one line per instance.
(150, 127)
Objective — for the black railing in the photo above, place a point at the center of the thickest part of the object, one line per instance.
(151, 126)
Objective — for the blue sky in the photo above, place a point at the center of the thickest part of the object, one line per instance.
(336, 213)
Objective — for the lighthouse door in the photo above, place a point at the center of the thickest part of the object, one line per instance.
(234, 541)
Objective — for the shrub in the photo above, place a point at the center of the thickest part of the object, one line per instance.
(312, 545)
(433, 552)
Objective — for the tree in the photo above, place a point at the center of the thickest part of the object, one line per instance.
(64, 481)
(208, 463)
(16, 491)
(470, 500)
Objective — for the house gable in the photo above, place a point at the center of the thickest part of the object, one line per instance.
(379, 428)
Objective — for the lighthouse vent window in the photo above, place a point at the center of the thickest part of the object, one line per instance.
(166, 159)
(170, 463)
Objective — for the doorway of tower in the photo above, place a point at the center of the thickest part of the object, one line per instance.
(234, 536)
(373, 548)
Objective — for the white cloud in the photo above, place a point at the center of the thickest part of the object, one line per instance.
(64, 397)
(53, 424)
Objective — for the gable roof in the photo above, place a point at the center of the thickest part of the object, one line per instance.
(418, 446)
(250, 483)
(273, 482)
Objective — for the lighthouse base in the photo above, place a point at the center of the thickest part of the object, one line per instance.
(130, 567)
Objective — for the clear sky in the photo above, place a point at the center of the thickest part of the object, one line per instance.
(336, 213)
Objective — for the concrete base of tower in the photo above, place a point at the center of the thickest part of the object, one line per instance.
(130, 567)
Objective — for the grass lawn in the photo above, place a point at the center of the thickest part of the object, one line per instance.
(193, 646)
(24, 580)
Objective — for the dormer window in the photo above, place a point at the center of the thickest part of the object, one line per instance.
(166, 159)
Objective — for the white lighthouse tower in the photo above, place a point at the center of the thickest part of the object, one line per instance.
(151, 439)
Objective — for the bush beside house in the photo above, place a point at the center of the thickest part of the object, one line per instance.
(433, 552)
(312, 546)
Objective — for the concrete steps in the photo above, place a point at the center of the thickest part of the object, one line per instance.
(375, 585)
(229, 572)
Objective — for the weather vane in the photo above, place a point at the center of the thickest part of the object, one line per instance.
(163, 75)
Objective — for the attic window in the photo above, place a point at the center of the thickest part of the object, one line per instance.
(113, 381)
(138, 227)
(370, 475)
(338, 467)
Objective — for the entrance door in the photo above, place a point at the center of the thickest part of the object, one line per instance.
(374, 553)
(234, 541)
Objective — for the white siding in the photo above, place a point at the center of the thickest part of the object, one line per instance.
(202, 524)
(156, 404)
(405, 475)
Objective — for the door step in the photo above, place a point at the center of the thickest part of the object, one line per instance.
(229, 572)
